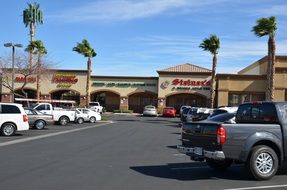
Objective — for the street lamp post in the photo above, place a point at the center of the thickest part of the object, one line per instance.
(13, 63)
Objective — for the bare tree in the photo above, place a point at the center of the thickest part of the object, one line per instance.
(23, 68)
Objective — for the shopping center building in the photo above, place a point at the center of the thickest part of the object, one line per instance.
(185, 84)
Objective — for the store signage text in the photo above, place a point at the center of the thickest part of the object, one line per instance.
(21, 79)
(64, 80)
(180, 82)
(122, 84)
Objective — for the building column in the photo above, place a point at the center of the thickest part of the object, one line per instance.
(82, 101)
(124, 103)
(161, 103)
(6, 98)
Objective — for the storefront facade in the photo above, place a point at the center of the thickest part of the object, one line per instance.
(250, 83)
(185, 84)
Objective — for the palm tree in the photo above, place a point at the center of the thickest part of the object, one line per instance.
(212, 44)
(263, 27)
(38, 48)
(31, 16)
(86, 50)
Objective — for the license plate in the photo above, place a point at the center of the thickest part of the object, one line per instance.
(198, 151)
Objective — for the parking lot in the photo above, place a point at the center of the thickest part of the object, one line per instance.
(132, 152)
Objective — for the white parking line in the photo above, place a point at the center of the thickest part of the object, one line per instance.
(259, 187)
(179, 154)
(49, 135)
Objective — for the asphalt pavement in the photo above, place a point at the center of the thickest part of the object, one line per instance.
(131, 153)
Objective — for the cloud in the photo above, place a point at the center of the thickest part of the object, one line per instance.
(117, 10)
(275, 10)
(157, 52)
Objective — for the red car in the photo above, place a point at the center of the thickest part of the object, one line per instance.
(169, 112)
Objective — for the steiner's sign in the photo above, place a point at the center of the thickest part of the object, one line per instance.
(188, 82)
(64, 80)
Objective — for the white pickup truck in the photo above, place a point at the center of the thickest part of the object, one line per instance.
(96, 106)
(61, 116)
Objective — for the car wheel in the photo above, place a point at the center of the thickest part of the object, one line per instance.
(40, 124)
(80, 121)
(64, 120)
(8, 129)
(219, 164)
(93, 119)
(262, 163)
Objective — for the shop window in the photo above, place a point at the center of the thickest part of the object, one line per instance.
(235, 99)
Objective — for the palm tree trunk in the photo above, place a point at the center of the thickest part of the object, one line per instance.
(32, 31)
(88, 82)
(32, 34)
(272, 70)
(38, 76)
(269, 71)
(212, 85)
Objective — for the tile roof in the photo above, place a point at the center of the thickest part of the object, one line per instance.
(186, 68)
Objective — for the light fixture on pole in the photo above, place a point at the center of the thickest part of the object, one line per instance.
(13, 63)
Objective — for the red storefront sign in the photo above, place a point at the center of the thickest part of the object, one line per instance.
(189, 82)
(21, 79)
(58, 78)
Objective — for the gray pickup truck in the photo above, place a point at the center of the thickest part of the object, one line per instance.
(258, 139)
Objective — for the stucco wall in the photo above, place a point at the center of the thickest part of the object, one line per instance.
(124, 86)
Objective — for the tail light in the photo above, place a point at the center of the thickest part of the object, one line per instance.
(221, 135)
(25, 118)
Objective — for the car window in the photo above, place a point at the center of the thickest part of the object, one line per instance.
(10, 109)
(257, 113)
(41, 107)
(186, 110)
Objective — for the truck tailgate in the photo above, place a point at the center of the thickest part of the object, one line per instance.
(198, 134)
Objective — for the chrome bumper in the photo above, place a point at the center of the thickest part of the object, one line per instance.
(216, 155)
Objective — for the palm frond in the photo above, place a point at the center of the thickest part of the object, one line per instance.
(265, 26)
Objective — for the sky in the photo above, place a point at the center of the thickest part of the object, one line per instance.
(139, 37)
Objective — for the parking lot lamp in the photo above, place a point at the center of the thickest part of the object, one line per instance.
(13, 63)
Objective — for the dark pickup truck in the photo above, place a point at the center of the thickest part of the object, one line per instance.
(258, 139)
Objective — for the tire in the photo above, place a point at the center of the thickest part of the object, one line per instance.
(219, 164)
(265, 157)
(64, 120)
(80, 120)
(40, 124)
(93, 119)
(8, 129)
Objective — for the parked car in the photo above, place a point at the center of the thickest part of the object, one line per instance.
(96, 106)
(183, 115)
(12, 118)
(258, 139)
(150, 111)
(169, 112)
(198, 114)
(224, 109)
(182, 108)
(37, 119)
(93, 115)
(81, 117)
(61, 116)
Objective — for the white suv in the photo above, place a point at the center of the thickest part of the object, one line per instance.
(12, 118)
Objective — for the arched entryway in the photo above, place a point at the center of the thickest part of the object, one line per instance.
(67, 94)
(177, 100)
(31, 94)
(108, 99)
(138, 100)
